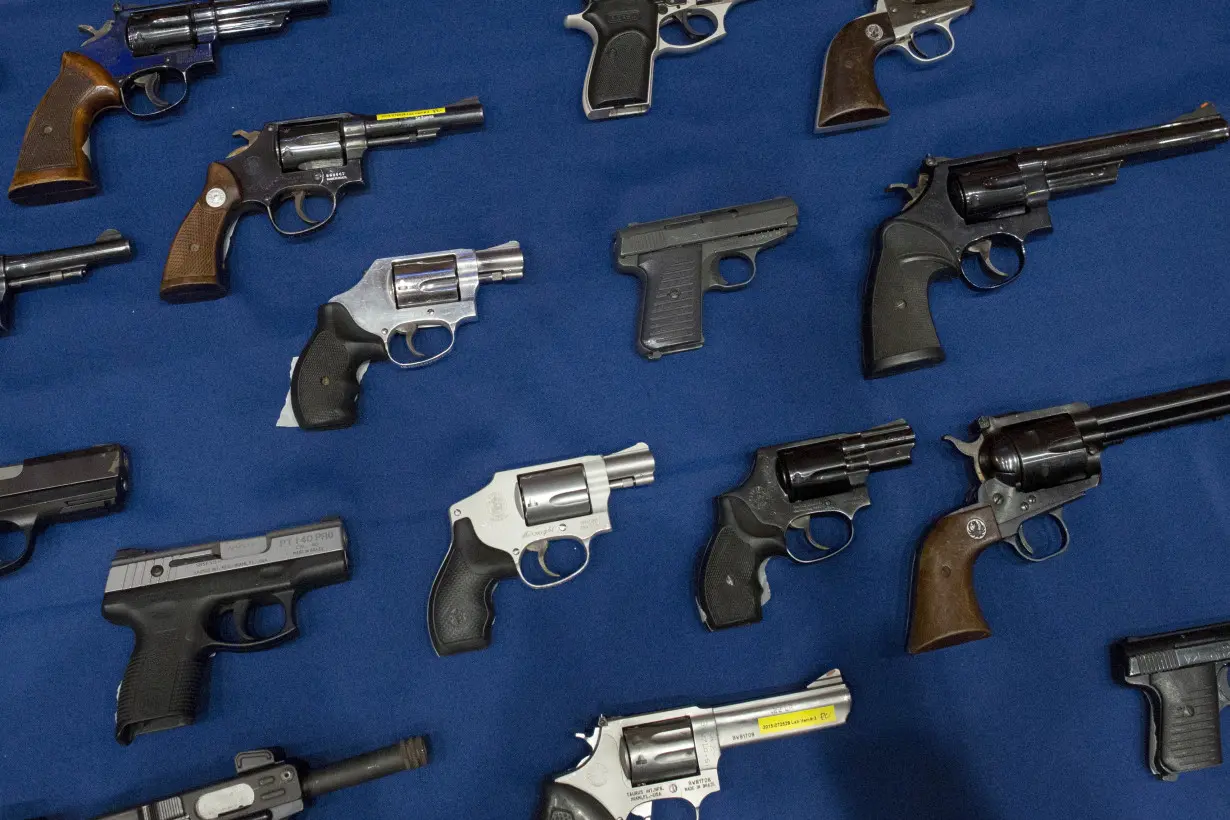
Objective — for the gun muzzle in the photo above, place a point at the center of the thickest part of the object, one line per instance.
(400, 757)
(55, 267)
(503, 263)
(630, 468)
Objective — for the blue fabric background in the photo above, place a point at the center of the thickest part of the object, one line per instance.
(1129, 296)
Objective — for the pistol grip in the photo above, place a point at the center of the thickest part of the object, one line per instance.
(1186, 719)
(731, 588)
(672, 299)
(54, 163)
(849, 96)
(898, 331)
(196, 264)
(161, 688)
(563, 802)
(625, 36)
(460, 613)
(324, 387)
(946, 611)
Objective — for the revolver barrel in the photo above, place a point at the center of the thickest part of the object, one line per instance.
(157, 28)
(396, 129)
(1122, 420)
(53, 267)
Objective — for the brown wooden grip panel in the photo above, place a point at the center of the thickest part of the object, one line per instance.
(849, 96)
(946, 610)
(196, 265)
(54, 163)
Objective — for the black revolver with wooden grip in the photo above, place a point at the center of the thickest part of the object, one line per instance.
(185, 605)
(849, 96)
(966, 207)
(45, 269)
(128, 58)
(60, 488)
(289, 162)
(519, 514)
(678, 260)
(788, 485)
(1029, 465)
(1185, 678)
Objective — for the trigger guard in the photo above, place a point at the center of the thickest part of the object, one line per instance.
(910, 46)
(129, 88)
(720, 283)
(26, 553)
(984, 260)
(543, 556)
(1023, 548)
(696, 36)
(828, 551)
(698, 39)
(415, 328)
(288, 196)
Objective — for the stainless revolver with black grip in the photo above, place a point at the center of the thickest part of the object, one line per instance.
(678, 261)
(521, 512)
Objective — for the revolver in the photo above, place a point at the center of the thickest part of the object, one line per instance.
(399, 295)
(518, 513)
(788, 485)
(289, 162)
(1185, 678)
(267, 785)
(678, 260)
(56, 489)
(49, 268)
(1029, 465)
(124, 63)
(849, 96)
(186, 604)
(634, 761)
(627, 37)
(968, 206)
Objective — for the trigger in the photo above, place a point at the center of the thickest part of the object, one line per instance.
(414, 350)
(540, 548)
(686, 25)
(151, 84)
(983, 249)
(299, 197)
(240, 613)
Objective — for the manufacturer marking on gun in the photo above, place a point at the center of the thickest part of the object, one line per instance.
(629, 16)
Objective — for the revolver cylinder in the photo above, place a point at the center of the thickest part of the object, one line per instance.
(661, 751)
(1041, 454)
(553, 495)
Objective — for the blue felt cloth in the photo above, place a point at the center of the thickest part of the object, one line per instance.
(1128, 296)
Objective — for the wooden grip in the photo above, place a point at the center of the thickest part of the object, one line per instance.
(946, 611)
(849, 96)
(196, 265)
(54, 163)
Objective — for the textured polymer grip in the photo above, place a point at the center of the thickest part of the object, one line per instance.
(622, 68)
(161, 688)
(1187, 719)
(460, 613)
(196, 265)
(672, 299)
(54, 163)
(563, 802)
(946, 610)
(898, 332)
(730, 575)
(849, 96)
(324, 388)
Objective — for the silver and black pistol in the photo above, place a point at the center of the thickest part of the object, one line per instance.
(678, 261)
(401, 295)
(789, 484)
(673, 755)
(59, 267)
(520, 513)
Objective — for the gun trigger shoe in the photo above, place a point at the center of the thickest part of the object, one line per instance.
(983, 249)
(410, 344)
(686, 24)
(540, 548)
(299, 197)
(151, 84)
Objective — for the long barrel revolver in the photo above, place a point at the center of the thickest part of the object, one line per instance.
(627, 37)
(1185, 678)
(55, 489)
(521, 512)
(58, 267)
(186, 604)
(128, 58)
(678, 261)
(1029, 465)
(399, 295)
(967, 206)
(788, 485)
(290, 161)
(669, 755)
(849, 96)
(267, 785)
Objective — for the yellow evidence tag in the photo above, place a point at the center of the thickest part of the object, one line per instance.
(798, 720)
(405, 115)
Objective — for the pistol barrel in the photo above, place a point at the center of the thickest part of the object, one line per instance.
(404, 756)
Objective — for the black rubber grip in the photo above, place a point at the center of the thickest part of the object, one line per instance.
(1187, 719)
(623, 54)
(161, 688)
(730, 591)
(460, 613)
(324, 390)
(898, 332)
(672, 300)
(563, 802)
